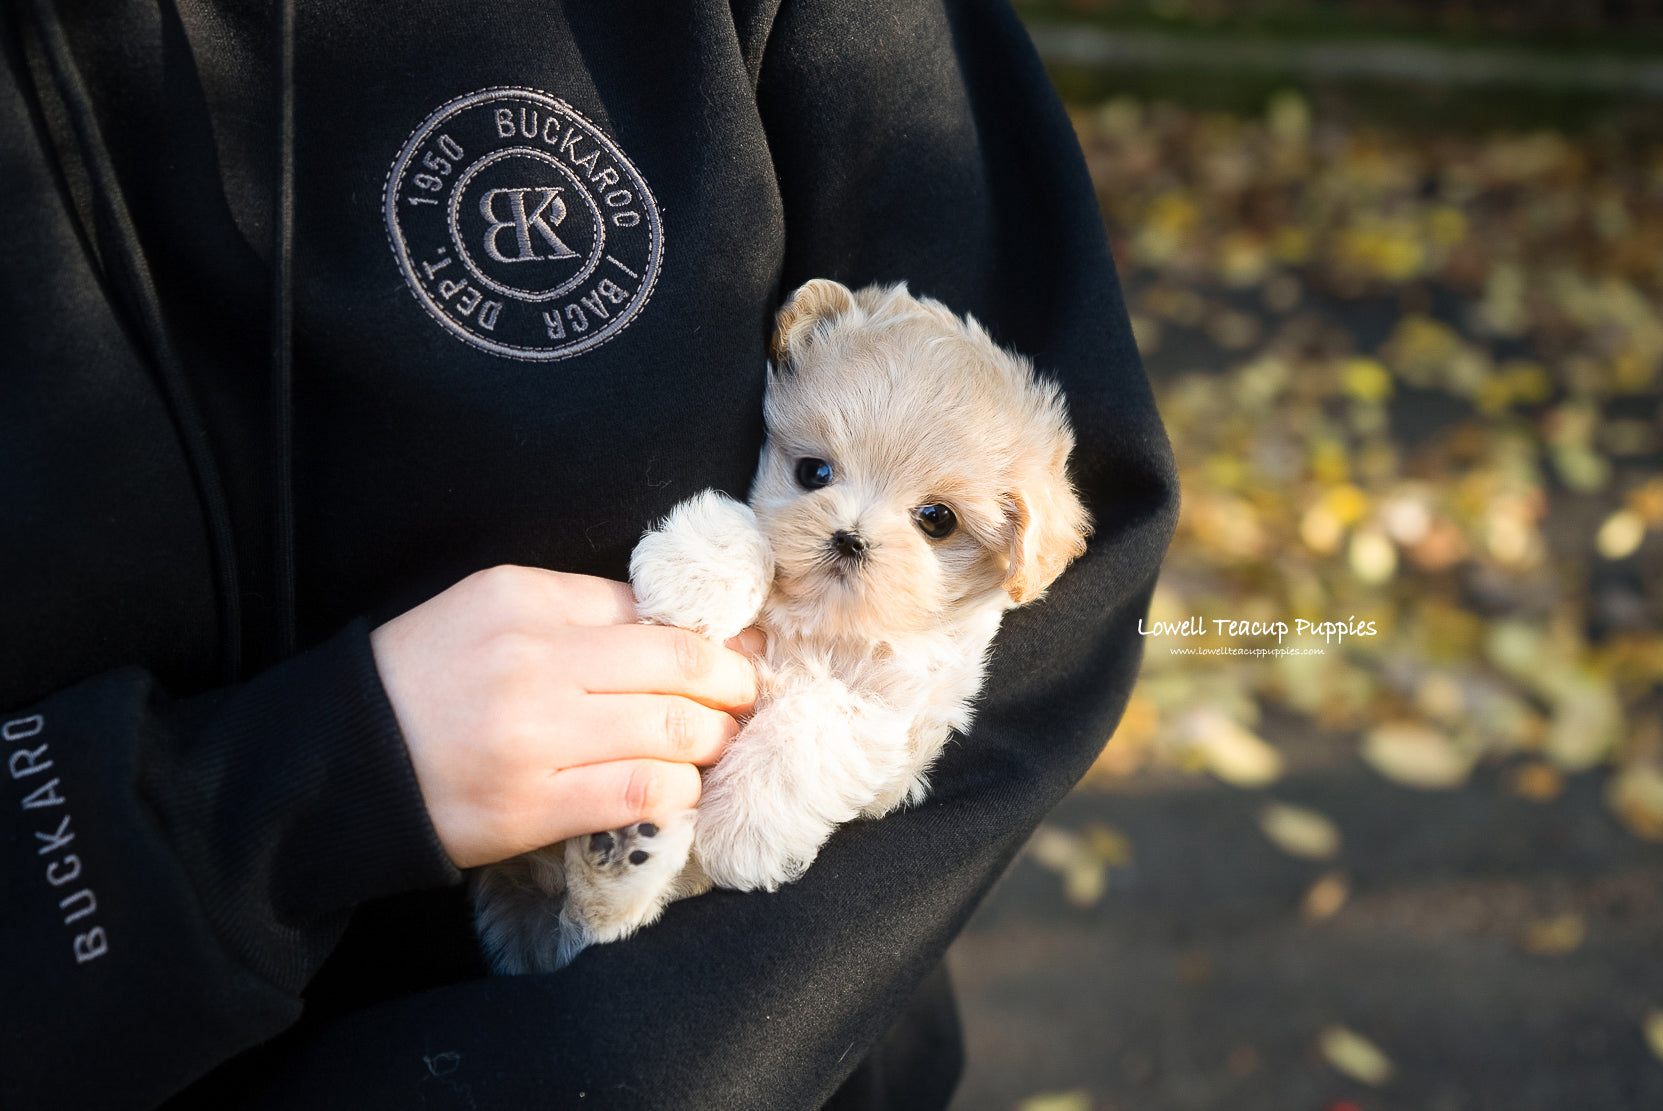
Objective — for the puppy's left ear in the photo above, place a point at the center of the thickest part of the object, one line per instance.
(1048, 529)
(819, 300)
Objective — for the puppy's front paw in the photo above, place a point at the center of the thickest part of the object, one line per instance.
(621, 880)
(707, 567)
(630, 854)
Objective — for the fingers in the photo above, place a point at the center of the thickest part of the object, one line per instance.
(559, 598)
(535, 707)
(660, 660)
(749, 642)
(612, 653)
(606, 796)
(655, 726)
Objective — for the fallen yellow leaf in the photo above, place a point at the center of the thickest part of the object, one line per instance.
(1416, 755)
(1321, 530)
(1077, 1100)
(1406, 517)
(1366, 380)
(1232, 752)
(1299, 831)
(1289, 116)
(1582, 468)
(1108, 845)
(1082, 861)
(1653, 1028)
(1054, 848)
(1373, 558)
(1537, 782)
(1647, 500)
(1635, 794)
(1620, 536)
(1354, 1055)
(1554, 937)
(1325, 897)
(1587, 720)
(1084, 881)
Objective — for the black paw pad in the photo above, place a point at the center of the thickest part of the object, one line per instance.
(647, 829)
(600, 843)
(638, 857)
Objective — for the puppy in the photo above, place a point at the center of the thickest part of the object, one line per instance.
(913, 487)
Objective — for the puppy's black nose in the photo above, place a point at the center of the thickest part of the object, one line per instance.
(849, 545)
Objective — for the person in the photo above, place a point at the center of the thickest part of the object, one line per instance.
(321, 459)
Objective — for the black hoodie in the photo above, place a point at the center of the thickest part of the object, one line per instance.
(504, 298)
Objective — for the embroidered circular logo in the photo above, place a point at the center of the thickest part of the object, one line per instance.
(520, 227)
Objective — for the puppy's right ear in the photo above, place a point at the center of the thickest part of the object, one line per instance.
(819, 300)
(1048, 527)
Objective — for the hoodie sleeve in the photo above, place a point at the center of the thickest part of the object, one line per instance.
(914, 141)
(175, 872)
(172, 872)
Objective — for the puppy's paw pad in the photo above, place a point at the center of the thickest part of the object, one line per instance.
(620, 851)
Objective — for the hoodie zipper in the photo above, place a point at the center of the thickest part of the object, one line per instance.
(281, 405)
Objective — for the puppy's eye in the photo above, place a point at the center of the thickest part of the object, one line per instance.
(813, 473)
(935, 521)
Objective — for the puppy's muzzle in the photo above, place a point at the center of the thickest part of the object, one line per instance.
(849, 545)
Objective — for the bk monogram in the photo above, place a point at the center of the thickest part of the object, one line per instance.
(525, 223)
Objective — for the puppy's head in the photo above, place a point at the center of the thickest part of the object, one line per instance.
(913, 469)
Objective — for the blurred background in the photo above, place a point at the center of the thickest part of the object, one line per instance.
(1396, 271)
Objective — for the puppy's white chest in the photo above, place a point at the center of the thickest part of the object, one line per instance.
(926, 678)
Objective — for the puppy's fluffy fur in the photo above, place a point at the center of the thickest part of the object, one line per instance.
(913, 487)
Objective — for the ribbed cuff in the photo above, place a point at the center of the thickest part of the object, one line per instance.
(297, 801)
(366, 816)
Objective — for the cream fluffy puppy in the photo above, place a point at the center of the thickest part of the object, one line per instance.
(913, 487)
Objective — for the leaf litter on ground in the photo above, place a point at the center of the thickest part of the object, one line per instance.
(1521, 274)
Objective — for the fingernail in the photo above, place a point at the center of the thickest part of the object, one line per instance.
(750, 641)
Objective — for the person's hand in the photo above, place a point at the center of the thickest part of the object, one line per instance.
(536, 709)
